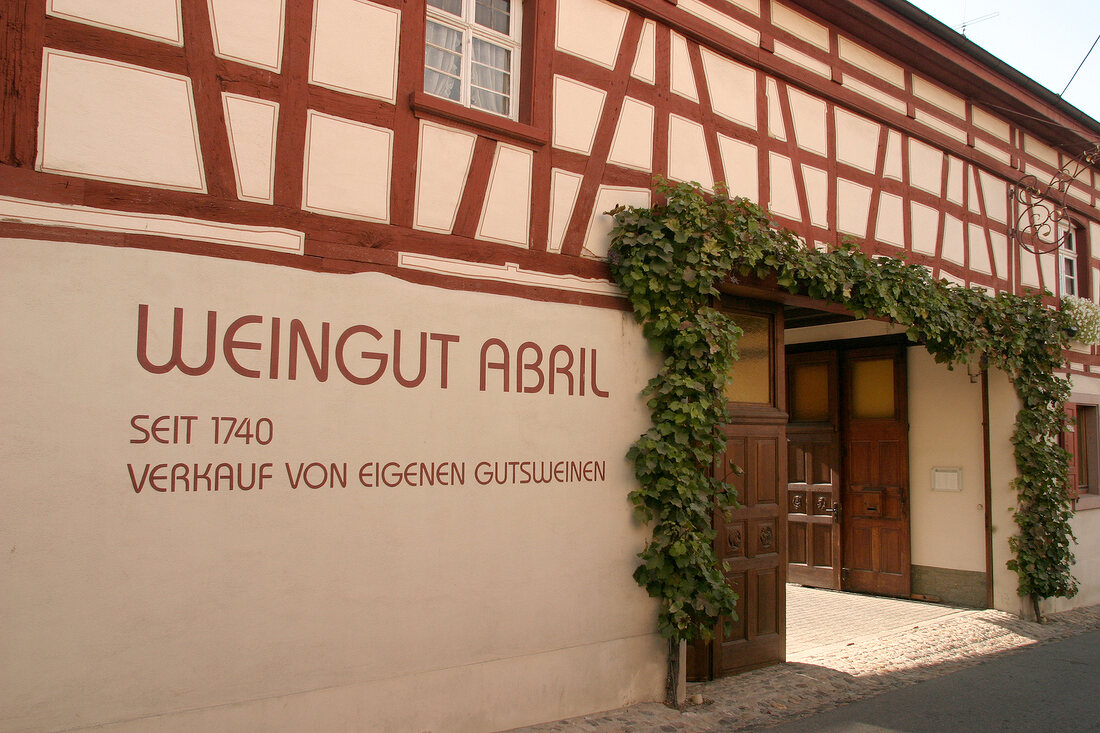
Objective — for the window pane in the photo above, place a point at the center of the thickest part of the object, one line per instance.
(454, 7)
(1069, 276)
(751, 375)
(872, 388)
(491, 82)
(810, 392)
(442, 86)
(491, 54)
(490, 101)
(443, 61)
(495, 14)
(490, 79)
(442, 36)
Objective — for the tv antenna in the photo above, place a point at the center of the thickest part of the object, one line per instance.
(979, 19)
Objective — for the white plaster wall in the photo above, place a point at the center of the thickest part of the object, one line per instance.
(645, 60)
(506, 214)
(938, 96)
(159, 20)
(564, 187)
(591, 29)
(249, 30)
(732, 88)
(104, 119)
(808, 113)
(853, 201)
(347, 168)
(816, 182)
(577, 109)
(252, 125)
(925, 227)
(739, 161)
(441, 170)
(925, 167)
(783, 195)
(597, 237)
(856, 140)
(632, 145)
(1086, 526)
(354, 48)
(800, 25)
(890, 223)
(450, 608)
(945, 430)
(687, 152)
(720, 20)
(870, 61)
(682, 79)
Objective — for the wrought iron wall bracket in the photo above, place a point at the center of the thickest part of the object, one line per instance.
(1041, 207)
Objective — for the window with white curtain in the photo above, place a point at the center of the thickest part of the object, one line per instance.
(471, 53)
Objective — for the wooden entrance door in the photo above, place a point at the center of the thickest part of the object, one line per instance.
(875, 495)
(813, 470)
(752, 538)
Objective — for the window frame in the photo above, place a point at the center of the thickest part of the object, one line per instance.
(470, 30)
(1082, 440)
(1068, 254)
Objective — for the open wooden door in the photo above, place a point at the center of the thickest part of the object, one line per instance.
(752, 539)
(875, 494)
(813, 470)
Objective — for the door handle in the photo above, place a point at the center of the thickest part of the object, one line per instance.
(835, 511)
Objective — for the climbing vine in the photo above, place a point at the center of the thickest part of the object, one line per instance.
(669, 261)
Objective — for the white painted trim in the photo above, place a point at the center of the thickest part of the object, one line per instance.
(157, 225)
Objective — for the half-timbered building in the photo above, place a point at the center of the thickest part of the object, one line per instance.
(318, 393)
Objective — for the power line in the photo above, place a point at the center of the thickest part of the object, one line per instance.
(1079, 66)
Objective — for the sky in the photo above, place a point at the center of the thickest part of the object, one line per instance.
(1043, 39)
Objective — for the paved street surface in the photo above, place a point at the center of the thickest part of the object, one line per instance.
(844, 647)
(1049, 687)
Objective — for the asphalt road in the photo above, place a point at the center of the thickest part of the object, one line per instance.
(1052, 687)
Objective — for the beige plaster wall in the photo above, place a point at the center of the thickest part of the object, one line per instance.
(448, 607)
(1003, 406)
(1086, 526)
(945, 431)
